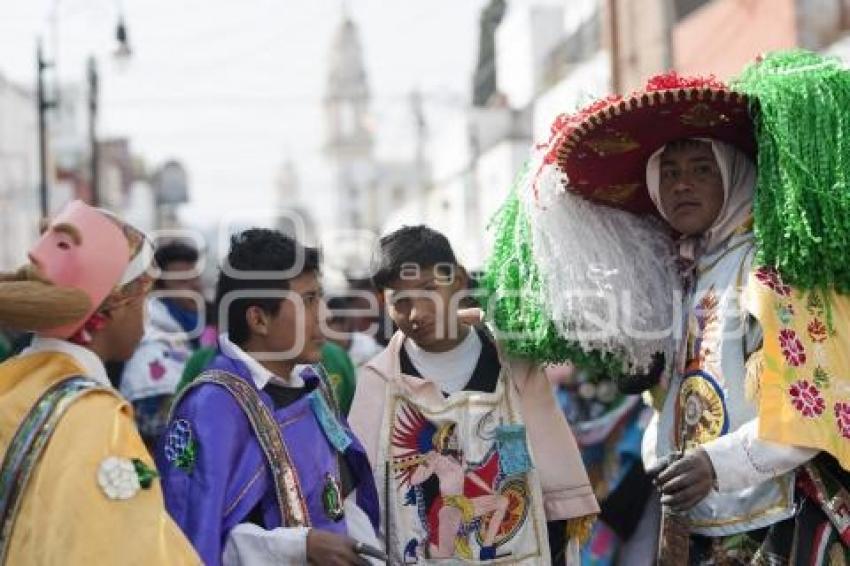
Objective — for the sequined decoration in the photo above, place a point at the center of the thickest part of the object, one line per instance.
(180, 446)
(332, 498)
(333, 430)
(802, 199)
(513, 449)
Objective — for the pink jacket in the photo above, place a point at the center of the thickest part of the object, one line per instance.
(567, 492)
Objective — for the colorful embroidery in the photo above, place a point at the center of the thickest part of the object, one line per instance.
(806, 398)
(805, 361)
(180, 446)
(332, 499)
(769, 277)
(791, 347)
(481, 499)
(118, 478)
(842, 418)
(513, 449)
(817, 331)
(334, 431)
(701, 115)
(707, 332)
(785, 313)
(612, 143)
(701, 410)
(814, 305)
(146, 473)
(821, 377)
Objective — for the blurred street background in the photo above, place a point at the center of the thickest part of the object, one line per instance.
(339, 120)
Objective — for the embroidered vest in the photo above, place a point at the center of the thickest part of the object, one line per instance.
(457, 481)
(707, 398)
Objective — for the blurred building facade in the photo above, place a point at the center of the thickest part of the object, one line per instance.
(542, 58)
(19, 199)
(148, 197)
(367, 189)
(721, 36)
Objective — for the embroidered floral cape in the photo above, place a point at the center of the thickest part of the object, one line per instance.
(804, 368)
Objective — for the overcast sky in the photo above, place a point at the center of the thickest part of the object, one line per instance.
(231, 88)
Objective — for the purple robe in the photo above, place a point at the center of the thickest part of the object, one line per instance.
(229, 477)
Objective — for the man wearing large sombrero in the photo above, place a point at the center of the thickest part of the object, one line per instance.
(752, 441)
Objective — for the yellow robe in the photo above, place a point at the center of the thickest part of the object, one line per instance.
(65, 517)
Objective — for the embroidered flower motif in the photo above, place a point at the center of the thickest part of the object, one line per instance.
(814, 304)
(821, 377)
(792, 348)
(117, 478)
(180, 446)
(842, 418)
(785, 313)
(806, 398)
(817, 331)
(771, 279)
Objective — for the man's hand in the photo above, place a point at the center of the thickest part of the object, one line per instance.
(324, 548)
(687, 481)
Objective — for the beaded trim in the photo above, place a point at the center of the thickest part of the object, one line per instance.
(28, 445)
(290, 498)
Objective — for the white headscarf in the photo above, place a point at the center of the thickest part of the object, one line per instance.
(738, 173)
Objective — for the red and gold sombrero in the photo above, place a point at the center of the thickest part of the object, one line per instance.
(603, 149)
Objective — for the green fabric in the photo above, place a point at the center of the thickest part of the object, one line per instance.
(196, 363)
(801, 110)
(341, 374)
(515, 298)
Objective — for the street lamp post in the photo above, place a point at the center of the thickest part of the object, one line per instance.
(93, 92)
(42, 106)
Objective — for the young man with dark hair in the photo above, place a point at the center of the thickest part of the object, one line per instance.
(150, 377)
(258, 467)
(475, 460)
(749, 446)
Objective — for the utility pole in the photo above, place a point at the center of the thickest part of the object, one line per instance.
(93, 93)
(616, 64)
(42, 105)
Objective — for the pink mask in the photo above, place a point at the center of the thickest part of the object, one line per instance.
(81, 249)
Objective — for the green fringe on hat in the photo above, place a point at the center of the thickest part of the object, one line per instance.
(515, 301)
(801, 110)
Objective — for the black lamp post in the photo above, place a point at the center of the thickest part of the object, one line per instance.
(43, 105)
(91, 72)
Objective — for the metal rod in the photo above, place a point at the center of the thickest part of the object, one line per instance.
(616, 67)
(41, 106)
(93, 94)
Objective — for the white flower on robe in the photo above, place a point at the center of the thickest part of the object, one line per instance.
(118, 478)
